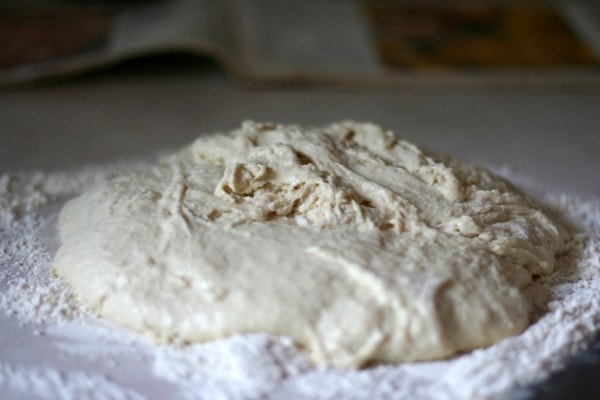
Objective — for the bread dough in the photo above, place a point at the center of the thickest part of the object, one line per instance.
(359, 246)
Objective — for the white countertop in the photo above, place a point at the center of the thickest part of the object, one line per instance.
(547, 135)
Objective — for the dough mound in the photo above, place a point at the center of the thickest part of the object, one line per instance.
(359, 246)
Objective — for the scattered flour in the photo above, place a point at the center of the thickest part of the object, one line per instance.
(47, 383)
(51, 348)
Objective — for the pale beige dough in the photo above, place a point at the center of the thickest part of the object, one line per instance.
(359, 246)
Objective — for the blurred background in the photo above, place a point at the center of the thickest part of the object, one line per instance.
(510, 84)
(506, 83)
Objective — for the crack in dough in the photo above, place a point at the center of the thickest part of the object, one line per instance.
(359, 246)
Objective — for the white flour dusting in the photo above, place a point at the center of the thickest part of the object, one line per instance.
(52, 348)
(48, 383)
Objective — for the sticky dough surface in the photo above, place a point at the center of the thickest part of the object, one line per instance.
(359, 246)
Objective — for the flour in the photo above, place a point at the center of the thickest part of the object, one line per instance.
(39, 383)
(60, 351)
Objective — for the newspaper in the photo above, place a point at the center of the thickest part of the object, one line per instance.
(359, 42)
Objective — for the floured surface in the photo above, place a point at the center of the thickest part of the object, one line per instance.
(51, 348)
(357, 245)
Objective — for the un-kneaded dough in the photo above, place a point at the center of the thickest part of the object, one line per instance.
(357, 245)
